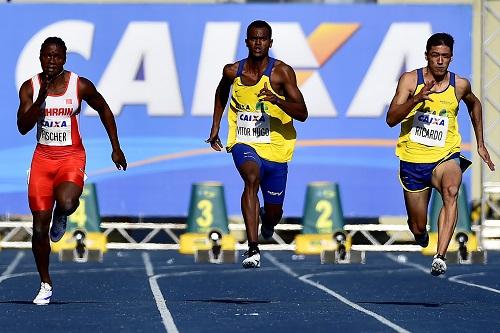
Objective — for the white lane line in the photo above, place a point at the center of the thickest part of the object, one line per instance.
(457, 280)
(12, 266)
(411, 264)
(344, 300)
(167, 319)
(452, 279)
(225, 271)
(78, 271)
(390, 271)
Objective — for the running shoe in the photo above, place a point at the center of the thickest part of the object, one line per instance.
(266, 231)
(438, 265)
(44, 294)
(252, 259)
(422, 240)
(58, 227)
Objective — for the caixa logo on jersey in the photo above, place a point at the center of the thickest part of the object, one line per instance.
(54, 123)
(147, 47)
(429, 119)
(252, 117)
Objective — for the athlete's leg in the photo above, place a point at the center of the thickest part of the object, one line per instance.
(40, 243)
(273, 185)
(272, 213)
(250, 174)
(416, 207)
(41, 202)
(67, 195)
(68, 186)
(248, 164)
(447, 178)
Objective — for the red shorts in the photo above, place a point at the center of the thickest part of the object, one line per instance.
(48, 172)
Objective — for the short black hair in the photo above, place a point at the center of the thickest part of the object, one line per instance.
(54, 40)
(440, 38)
(260, 24)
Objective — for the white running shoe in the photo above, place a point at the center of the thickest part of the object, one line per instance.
(438, 265)
(58, 227)
(252, 259)
(44, 295)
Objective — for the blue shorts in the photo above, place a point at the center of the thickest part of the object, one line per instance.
(416, 177)
(273, 175)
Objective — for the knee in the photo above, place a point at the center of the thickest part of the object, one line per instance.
(67, 205)
(252, 181)
(450, 193)
(417, 228)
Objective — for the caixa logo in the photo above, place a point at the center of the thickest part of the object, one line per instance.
(253, 118)
(431, 120)
(50, 123)
(146, 48)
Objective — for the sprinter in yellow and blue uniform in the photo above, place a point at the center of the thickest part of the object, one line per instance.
(264, 102)
(426, 104)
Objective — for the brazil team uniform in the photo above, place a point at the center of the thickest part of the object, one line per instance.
(429, 136)
(59, 155)
(261, 132)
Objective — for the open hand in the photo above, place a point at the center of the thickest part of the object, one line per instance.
(119, 158)
(214, 141)
(483, 152)
(423, 95)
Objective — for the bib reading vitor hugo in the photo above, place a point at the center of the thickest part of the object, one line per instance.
(430, 131)
(253, 127)
(58, 124)
(261, 125)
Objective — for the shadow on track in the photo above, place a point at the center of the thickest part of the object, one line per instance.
(230, 301)
(426, 305)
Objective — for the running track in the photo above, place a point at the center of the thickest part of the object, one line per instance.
(163, 291)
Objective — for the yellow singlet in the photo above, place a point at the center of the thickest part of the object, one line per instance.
(261, 125)
(429, 132)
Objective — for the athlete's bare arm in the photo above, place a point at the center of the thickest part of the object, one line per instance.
(94, 99)
(464, 92)
(404, 101)
(221, 98)
(293, 104)
(28, 112)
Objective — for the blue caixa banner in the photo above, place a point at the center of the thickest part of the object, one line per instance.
(158, 66)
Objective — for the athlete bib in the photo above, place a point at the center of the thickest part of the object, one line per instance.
(55, 131)
(253, 127)
(429, 129)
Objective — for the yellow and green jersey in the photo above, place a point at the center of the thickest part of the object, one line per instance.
(430, 131)
(261, 125)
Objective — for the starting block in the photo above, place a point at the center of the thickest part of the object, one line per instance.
(332, 248)
(468, 252)
(337, 257)
(342, 253)
(214, 257)
(81, 246)
(213, 247)
(478, 257)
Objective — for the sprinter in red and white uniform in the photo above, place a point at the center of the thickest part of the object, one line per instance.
(51, 100)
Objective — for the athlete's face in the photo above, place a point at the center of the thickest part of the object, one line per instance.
(258, 42)
(438, 59)
(52, 59)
